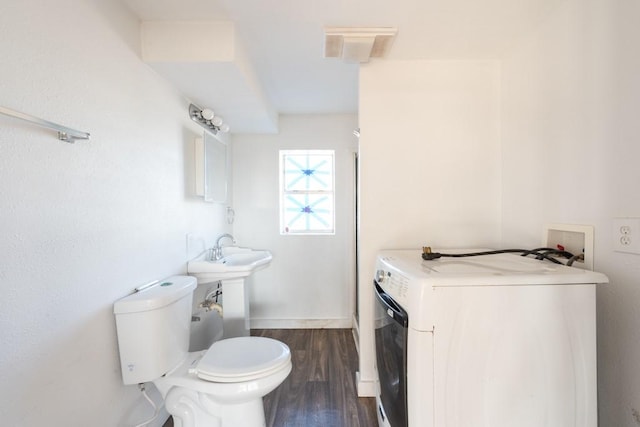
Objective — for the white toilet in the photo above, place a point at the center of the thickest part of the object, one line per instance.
(222, 386)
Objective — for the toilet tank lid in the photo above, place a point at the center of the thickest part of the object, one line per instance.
(157, 296)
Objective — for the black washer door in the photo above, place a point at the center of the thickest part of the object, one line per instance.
(391, 356)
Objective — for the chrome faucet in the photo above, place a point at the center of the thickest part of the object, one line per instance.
(217, 249)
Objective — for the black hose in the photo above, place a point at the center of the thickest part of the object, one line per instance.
(540, 253)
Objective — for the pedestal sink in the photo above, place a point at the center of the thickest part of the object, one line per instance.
(232, 269)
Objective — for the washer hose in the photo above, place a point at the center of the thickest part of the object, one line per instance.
(540, 253)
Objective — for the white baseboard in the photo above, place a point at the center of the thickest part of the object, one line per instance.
(345, 323)
(365, 388)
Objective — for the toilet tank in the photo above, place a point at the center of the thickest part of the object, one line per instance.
(153, 327)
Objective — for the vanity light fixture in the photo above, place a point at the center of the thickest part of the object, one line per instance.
(207, 114)
(207, 119)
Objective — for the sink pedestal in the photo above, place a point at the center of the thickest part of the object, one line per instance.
(233, 269)
(235, 308)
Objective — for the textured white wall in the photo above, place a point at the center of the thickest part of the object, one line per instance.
(311, 280)
(81, 225)
(570, 146)
(430, 165)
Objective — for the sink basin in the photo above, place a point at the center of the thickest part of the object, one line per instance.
(235, 263)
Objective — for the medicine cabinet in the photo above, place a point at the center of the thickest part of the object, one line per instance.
(211, 168)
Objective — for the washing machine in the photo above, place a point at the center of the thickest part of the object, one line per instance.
(489, 341)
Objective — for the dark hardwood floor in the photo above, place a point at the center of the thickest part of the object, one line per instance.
(321, 389)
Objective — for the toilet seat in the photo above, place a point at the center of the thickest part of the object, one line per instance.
(241, 359)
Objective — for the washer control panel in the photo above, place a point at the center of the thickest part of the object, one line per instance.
(381, 275)
(398, 285)
(394, 283)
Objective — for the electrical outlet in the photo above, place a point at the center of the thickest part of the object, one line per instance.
(626, 235)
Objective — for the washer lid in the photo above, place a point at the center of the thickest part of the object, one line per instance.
(487, 270)
(242, 359)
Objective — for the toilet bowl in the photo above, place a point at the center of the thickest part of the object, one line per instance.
(219, 387)
(224, 385)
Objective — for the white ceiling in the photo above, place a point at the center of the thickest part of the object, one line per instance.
(283, 40)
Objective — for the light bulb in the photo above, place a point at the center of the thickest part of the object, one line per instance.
(207, 114)
(224, 128)
(216, 121)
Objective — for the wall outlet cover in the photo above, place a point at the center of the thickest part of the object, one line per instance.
(625, 235)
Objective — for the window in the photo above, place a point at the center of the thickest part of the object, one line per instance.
(307, 192)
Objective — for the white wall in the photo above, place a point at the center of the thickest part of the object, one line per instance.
(311, 280)
(81, 225)
(570, 146)
(430, 166)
